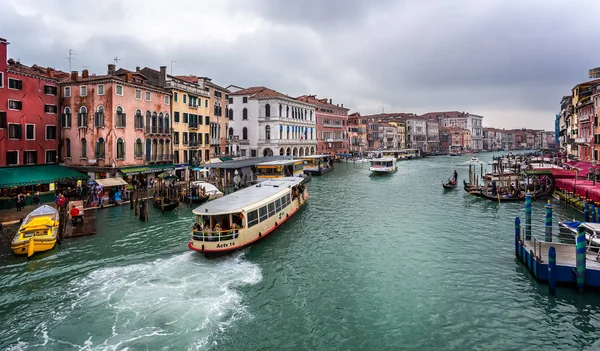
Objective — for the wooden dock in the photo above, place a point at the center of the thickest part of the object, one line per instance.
(534, 255)
(88, 227)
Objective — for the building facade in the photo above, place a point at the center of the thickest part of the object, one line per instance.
(219, 121)
(190, 103)
(388, 136)
(114, 121)
(29, 110)
(357, 133)
(416, 134)
(270, 123)
(331, 125)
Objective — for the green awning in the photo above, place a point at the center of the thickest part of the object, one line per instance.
(146, 169)
(197, 168)
(38, 174)
(225, 158)
(135, 170)
(539, 172)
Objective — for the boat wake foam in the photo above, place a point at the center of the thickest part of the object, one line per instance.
(152, 304)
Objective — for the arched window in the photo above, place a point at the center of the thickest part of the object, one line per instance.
(120, 149)
(267, 110)
(148, 121)
(139, 120)
(167, 123)
(99, 117)
(245, 113)
(231, 114)
(82, 117)
(268, 132)
(66, 118)
(120, 117)
(230, 131)
(83, 148)
(311, 115)
(148, 149)
(245, 133)
(280, 110)
(154, 123)
(287, 111)
(137, 151)
(67, 147)
(100, 148)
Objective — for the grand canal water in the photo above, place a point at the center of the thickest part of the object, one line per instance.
(388, 262)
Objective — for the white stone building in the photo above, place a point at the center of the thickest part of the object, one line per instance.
(416, 134)
(270, 123)
(474, 123)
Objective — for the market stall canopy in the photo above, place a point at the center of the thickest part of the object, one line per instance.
(145, 169)
(38, 174)
(167, 176)
(108, 182)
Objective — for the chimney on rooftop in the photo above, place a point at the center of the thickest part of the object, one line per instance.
(330, 101)
(111, 68)
(162, 78)
(137, 68)
(342, 105)
(74, 75)
(85, 73)
(128, 77)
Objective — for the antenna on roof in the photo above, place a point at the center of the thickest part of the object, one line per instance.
(71, 58)
(172, 66)
(116, 59)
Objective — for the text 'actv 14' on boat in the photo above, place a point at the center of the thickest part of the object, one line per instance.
(245, 216)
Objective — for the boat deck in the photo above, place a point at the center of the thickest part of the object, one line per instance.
(88, 227)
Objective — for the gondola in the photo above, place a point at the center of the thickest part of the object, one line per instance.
(449, 186)
(200, 199)
(169, 205)
(539, 194)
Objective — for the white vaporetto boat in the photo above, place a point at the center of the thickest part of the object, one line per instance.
(245, 216)
(383, 165)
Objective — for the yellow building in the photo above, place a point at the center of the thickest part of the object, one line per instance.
(401, 133)
(190, 108)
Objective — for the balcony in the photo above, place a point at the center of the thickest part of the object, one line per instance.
(582, 140)
(154, 130)
(331, 125)
(244, 142)
(193, 125)
(333, 140)
(194, 144)
(233, 139)
(215, 141)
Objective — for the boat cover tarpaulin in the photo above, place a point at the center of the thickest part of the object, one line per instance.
(108, 182)
(583, 167)
(38, 174)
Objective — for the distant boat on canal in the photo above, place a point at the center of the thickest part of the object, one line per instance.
(383, 165)
(317, 164)
(239, 219)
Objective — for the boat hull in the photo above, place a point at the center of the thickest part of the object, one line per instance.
(318, 172)
(169, 206)
(379, 171)
(22, 248)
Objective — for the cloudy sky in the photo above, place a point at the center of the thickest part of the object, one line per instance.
(509, 60)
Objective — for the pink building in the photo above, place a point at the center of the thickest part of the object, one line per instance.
(114, 121)
(331, 125)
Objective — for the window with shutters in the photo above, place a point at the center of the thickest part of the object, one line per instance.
(120, 149)
(230, 100)
(206, 138)
(138, 150)
(245, 113)
(175, 95)
(30, 132)
(15, 84)
(207, 120)
(245, 100)
(30, 157)
(68, 147)
(49, 90)
(139, 119)
(138, 94)
(66, 118)
(12, 158)
(100, 148)
(50, 132)
(67, 92)
(184, 99)
(119, 90)
(185, 117)
(176, 116)
(184, 138)
(148, 96)
(99, 117)
(83, 148)
(50, 156)
(100, 89)
(14, 131)
(245, 133)
(83, 90)
(15, 105)
(206, 154)
(82, 117)
(2, 120)
(167, 100)
(50, 109)
(121, 122)
(206, 103)
(176, 138)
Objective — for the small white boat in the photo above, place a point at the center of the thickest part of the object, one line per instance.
(592, 231)
(209, 189)
(474, 159)
(383, 165)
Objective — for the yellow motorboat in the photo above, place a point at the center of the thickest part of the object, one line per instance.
(37, 233)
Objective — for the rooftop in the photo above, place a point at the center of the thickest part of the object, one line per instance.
(279, 163)
(247, 197)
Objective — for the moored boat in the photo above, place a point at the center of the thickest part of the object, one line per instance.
(317, 164)
(383, 165)
(279, 169)
(449, 184)
(592, 231)
(245, 216)
(166, 205)
(37, 233)
(208, 189)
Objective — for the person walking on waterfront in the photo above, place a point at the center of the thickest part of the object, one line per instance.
(36, 198)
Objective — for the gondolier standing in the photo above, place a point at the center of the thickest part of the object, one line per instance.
(455, 176)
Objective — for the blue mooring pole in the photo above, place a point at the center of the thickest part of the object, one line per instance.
(528, 216)
(586, 212)
(517, 234)
(580, 250)
(552, 270)
(593, 209)
(548, 222)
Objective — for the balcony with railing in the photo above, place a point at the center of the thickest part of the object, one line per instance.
(334, 140)
(158, 130)
(244, 142)
(333, 125)
(194, 144)
(233, 139)
(215, 141)
(193, 125)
